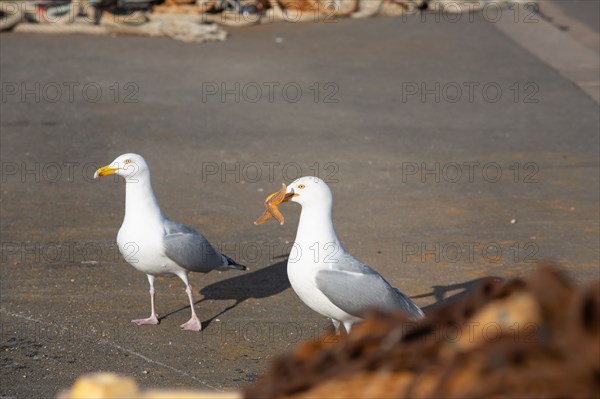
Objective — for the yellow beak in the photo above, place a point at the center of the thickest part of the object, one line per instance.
(105, 170)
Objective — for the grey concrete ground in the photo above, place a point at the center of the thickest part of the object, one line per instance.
(432, 190)
(585, 11)
(577, 19)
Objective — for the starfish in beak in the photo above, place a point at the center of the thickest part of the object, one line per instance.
(271, 204)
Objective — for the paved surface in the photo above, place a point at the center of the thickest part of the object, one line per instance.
(585, 11)
(67, 296)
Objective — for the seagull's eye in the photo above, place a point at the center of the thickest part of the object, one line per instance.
(128, 161)
(301, 186)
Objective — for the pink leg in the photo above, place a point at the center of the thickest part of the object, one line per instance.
(153, 319)
(193, 324)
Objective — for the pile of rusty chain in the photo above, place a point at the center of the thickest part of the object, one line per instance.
(532, 338)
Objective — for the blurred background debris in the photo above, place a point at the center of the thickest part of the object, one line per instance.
(191, 20)
(535, 338)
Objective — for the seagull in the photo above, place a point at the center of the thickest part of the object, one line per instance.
(155, 245)
(326, 277)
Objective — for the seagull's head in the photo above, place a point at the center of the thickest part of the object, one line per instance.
(309, 191)
(130, 166)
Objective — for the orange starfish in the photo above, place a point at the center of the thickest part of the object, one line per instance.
(271, 204)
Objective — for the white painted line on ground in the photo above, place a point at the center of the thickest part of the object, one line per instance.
(576, 62)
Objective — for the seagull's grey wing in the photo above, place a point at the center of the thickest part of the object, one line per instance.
(355, 288)
(189, 249)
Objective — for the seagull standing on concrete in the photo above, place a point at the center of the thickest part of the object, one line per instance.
(156, 245)
(326, 277)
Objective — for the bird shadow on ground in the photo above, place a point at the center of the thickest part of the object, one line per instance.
(262, 283)
(440, 292)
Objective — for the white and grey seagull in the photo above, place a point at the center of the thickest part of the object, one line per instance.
(155, 245)
(326, 277)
